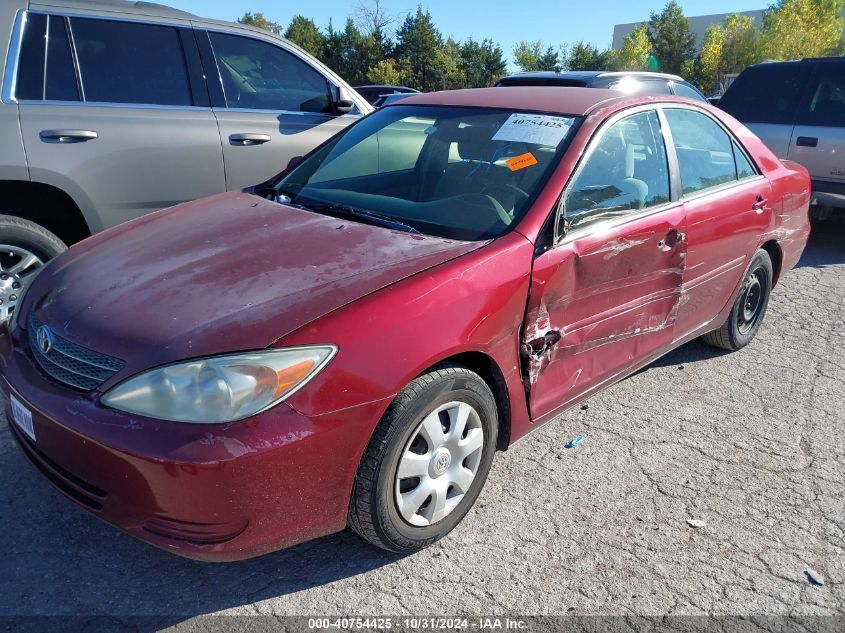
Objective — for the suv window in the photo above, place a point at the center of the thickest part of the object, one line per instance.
(768, 93)
(825, 104)
(45, 55)
(705, 151)
(128, 62)
(626, 170)
(260, 76)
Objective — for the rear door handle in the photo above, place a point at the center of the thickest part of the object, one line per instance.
(249, 139)
(807, 141)
(672, 239)
(760, 204)
(68, 136)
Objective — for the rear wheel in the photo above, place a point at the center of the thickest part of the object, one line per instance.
(426, 462)
(24, 248)
(749, 307)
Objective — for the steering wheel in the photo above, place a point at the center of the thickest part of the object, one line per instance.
(504, 216)
(521, 193)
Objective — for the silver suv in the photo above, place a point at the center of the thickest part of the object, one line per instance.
(113, 109)
(798, 109)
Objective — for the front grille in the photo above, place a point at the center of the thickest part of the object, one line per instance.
(69, 363)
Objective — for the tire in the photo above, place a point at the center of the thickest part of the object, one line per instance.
(749, 307)
(374, 510)
(24, 248)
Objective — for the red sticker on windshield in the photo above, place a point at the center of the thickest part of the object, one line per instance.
(521, 162)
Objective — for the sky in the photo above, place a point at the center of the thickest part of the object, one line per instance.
(503, 21)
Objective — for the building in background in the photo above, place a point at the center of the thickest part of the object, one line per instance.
(697, 24)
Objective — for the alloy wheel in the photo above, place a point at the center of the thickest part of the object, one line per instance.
(17, 268)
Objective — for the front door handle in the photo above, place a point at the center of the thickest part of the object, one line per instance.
(68, 136)
(807, 141)
(249, 139)
(672, 239)
(759, 204)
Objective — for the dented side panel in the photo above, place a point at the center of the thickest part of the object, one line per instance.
(601, 300)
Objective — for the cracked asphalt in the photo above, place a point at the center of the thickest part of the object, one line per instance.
(752, 443)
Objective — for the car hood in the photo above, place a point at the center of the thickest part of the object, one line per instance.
(228, 273)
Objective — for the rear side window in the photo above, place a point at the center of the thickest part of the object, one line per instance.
(31, 63)
(766, 94)
(705, 151)
(825, 103)
(45, 70)
(260, 76)
(127, 62)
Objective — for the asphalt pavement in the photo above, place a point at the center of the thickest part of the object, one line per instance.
(748, 446)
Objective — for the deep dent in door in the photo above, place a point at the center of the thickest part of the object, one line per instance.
(545, 342)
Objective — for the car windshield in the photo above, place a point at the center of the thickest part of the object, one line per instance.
(455, 172)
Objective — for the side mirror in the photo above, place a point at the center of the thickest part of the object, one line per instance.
(294, 162)
(344, 106)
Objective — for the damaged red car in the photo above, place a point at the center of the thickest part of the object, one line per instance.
(350, 343)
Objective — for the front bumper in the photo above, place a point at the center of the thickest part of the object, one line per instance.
(209, 492)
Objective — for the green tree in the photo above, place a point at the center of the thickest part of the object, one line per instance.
(447, 71)
(742, 43)
(418, 41)
(258, 19)
(388, 72)
(584, 56)
(634, 52)
(672, 42)
(711, 58)
(350, 53)
(303, 32)
(531, 56)
(483, 62)
(373, 19)
(793, 29)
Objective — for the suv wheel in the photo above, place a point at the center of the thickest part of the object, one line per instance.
(24, 249)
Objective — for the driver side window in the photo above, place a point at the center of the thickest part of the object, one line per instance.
(626, 171)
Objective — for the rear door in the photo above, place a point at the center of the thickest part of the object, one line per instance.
(116, 113)
(271, 104)
(728, 206)
(818, 141)
(605, 297)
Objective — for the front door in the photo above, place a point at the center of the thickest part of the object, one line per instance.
(275, 106)
(606, 296)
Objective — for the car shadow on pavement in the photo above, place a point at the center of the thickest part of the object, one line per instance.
(826, 246)
(58, 560)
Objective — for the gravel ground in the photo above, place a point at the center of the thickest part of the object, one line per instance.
(751, 443)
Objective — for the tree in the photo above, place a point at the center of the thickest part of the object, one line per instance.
(711, 58)
(483, 62)
(742, 43)
(388, 72)
(349, 53)
(672, 42)
(258, 19)
(303, 32)
(418, 41)
(584, 56)
(373, 19)
(447, 72)
(793, 29)
(531, 56)
(634, 52)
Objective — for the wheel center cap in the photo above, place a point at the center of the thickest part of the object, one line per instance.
(440, 462)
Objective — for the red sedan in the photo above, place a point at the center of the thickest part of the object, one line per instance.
(350, 343)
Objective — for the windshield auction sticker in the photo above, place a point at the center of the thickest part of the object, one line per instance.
(521, 162)
(540, 129)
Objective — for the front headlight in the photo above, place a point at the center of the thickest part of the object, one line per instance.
(221, 388)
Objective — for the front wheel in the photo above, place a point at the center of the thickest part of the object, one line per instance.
(24, 248)
(749, 307)
(426, 462)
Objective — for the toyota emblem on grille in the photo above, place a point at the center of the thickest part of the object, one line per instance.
(44, 338)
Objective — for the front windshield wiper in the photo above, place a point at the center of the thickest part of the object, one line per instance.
(344, 210)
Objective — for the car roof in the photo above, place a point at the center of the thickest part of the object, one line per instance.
(589, 75)
(147, 9)
(556, 99)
